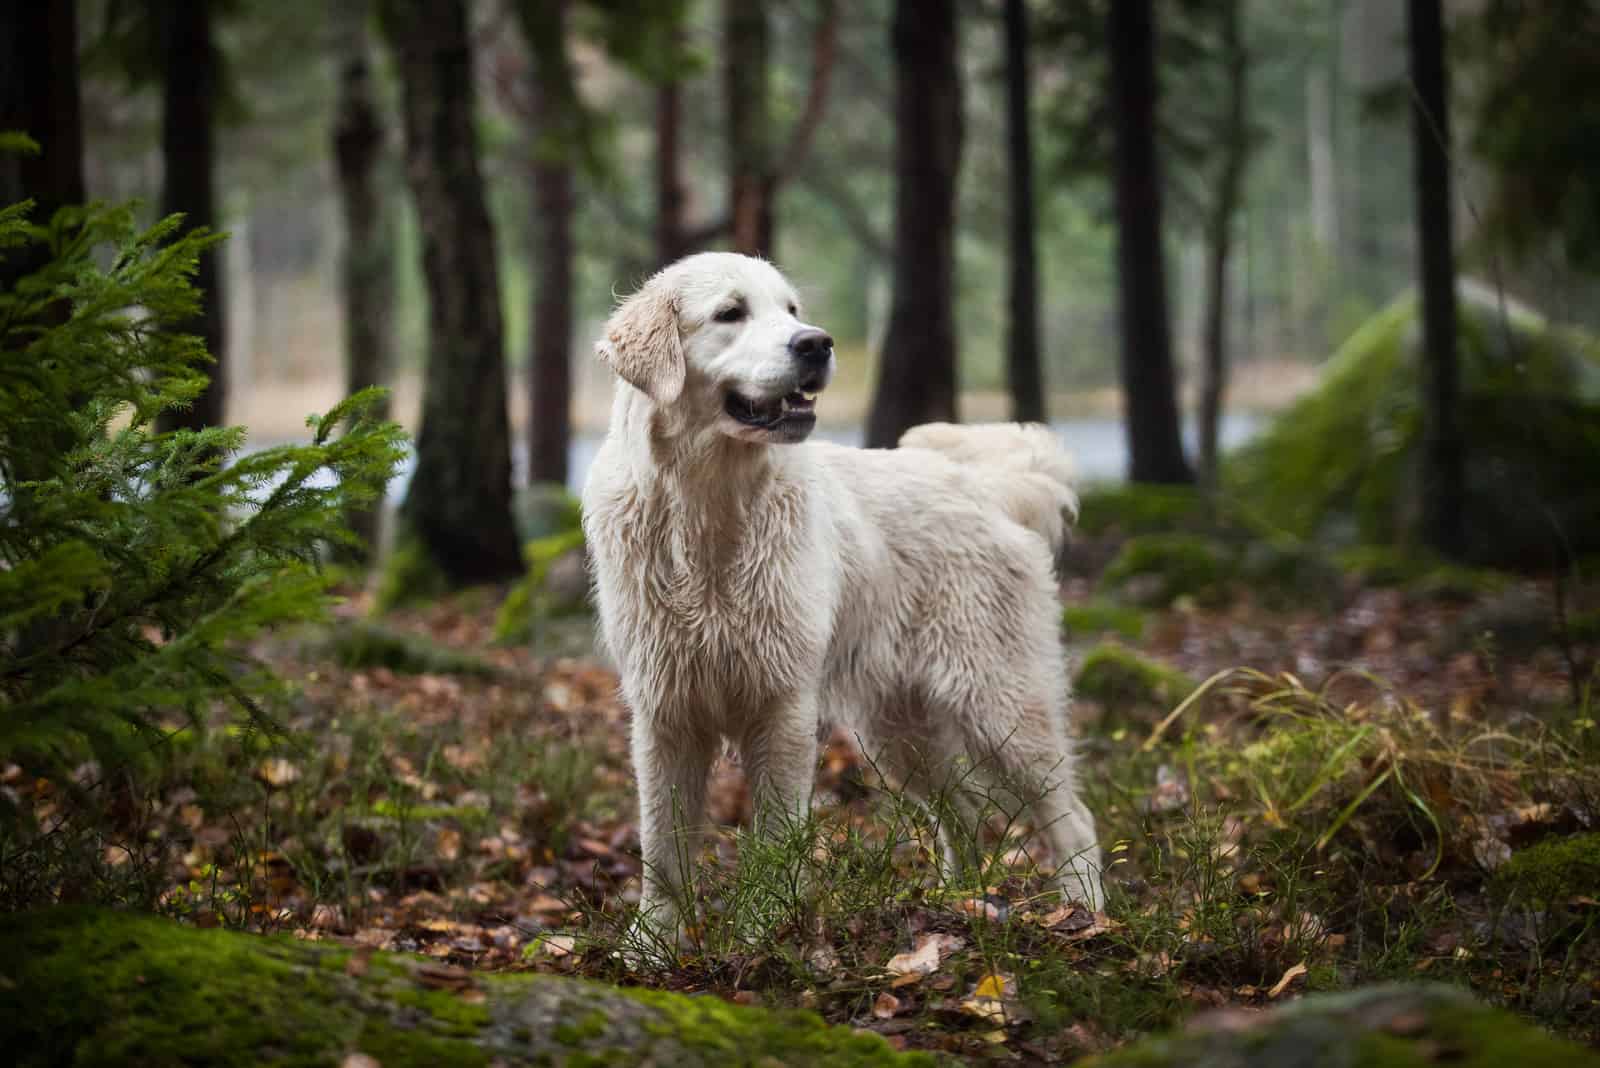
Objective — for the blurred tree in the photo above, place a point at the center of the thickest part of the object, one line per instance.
(917, 371)
(459, 503)
(1023, 375)
(746, 81)
(1155, 444)
(669, 196)
(39, 97)
(1443, 474)
(756, 170)
(1234, 147)
(1537, 123)
(557, 121)
(191, 86)
(367, 271)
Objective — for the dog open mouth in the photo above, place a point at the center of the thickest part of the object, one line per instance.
(792, 410)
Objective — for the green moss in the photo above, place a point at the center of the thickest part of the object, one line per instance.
(1159, 568)
(87, 987)
(1341, 464)
(360, 646)
(1133, 508)
(1418, 572)
(1122, 680)
(1094, 618)
(1379, 1027)
(409, 575)
(531, 600)
(1552, 871)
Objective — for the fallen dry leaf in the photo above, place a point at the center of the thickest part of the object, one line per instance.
(1288, 977)
(994, 986)
(926, 957)
(276, 771)
(886, 1006)
(558, 945)
(360, 1060)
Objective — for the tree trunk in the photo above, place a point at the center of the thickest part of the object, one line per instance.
(670, 238)
(459, 502)
(550, 348)
(917, 372)
(1220, 240)
(367, 270)
(1155, 444)
(1442, 461)
(1024, 377)
(745, 39)
(190, 89)
(39, 97)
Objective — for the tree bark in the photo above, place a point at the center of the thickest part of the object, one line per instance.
(39, 97)
(367, 270)
(1024, 377)
(670, 237)
(190, 88)
(459, 502)
(1442, 461)
(917, 372)
(1219, 239)
(550, 347)
(1155, 443)
(745, 39)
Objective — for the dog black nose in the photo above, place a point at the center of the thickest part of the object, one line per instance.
(811, 345)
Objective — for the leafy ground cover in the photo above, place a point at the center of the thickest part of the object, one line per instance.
(1396, 778)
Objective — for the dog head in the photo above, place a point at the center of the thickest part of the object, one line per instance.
(717, 337)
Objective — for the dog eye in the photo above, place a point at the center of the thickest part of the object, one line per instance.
(730, 315)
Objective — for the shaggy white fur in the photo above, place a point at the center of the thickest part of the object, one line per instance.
(752, 588)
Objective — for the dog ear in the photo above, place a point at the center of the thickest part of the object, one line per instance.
(641, 344)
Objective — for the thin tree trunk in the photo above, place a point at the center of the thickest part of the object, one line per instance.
(39, 97)
(917, 373)
(367, 270)
(1214, 382)
(550, 348)
(1024, 377)
(745, 41)
(1442, 461)
(190, 89)
(670, 238)
(1155, 444)
(459, 501)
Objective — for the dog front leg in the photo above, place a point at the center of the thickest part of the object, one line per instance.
(779, 753)
(671, 764)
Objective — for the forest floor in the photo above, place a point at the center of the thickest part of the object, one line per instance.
(1397, 781)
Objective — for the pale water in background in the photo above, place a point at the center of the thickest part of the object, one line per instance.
(1098, 444)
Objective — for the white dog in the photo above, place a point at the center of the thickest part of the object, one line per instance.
(751, 587)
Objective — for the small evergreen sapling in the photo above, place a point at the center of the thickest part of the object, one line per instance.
(133, 562)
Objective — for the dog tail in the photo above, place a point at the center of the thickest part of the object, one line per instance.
(1030, 474)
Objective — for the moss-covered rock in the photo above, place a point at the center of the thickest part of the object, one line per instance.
(1157, 569)
(89, 987)
(362, 645)
(1552, 872)
(556, 587)
(1134, 508)
(1379, 1027)
(1342, 463)
(1095, 618)
(408, 575)
(1121, 680)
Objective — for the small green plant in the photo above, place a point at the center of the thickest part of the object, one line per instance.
(133, 562)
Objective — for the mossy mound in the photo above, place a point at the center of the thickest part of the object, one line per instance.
(1095, 618)
(546, 593)
(1157, 569)
(91, 987)
(1551, 872)
(360, 646)
(1379, 1027)
(1341, 464)
(1133, 508)
(1123, 681)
